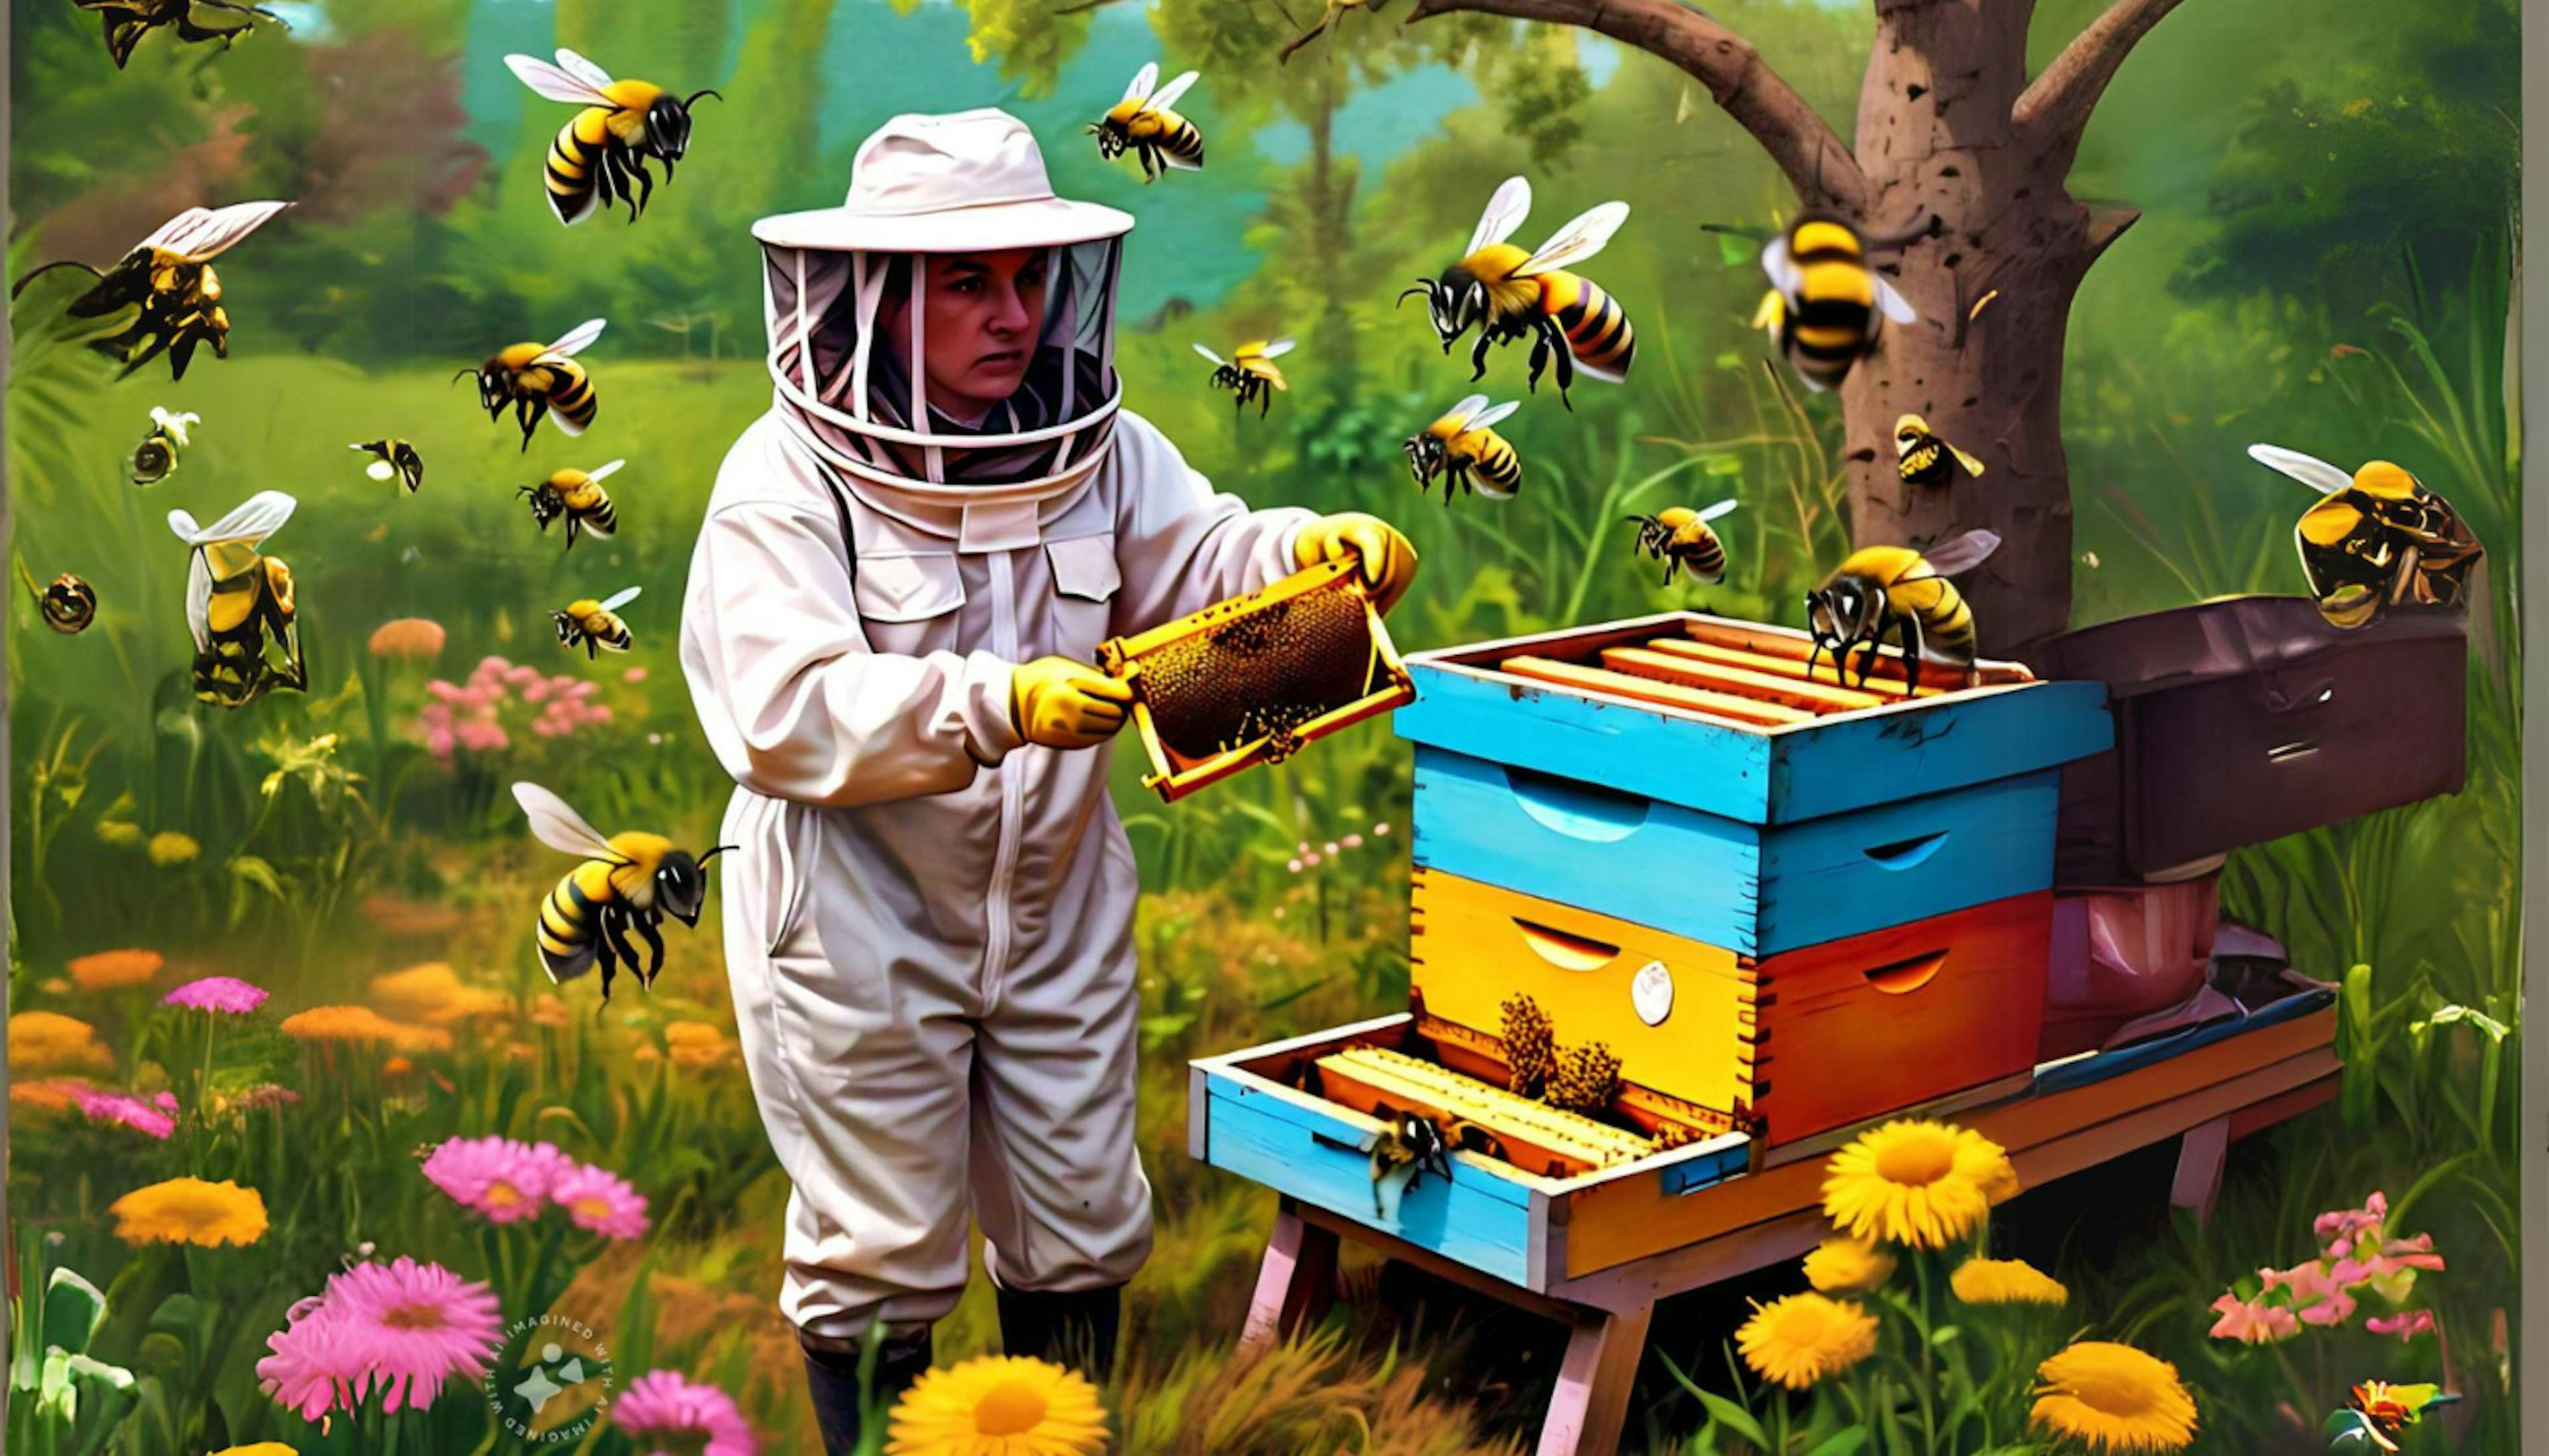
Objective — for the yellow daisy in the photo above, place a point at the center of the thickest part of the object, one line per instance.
(2114, 1398)
(2005, 1282)
(190, 1210)
(106, 971)
(999, 1406)
(1800, 1339)
(1847, 1265)
(1917, 1183)
(168, 847)
(50, 1041)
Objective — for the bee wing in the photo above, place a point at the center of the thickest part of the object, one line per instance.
(619, 599)
(583, 70)
(1891, 302)
(554, 84)
(1486, 417)
(2310, 470)
(201, 235)
(1781, 268)
(606, 472)
(561, 828)
(257, 517)
(1144, 81)
(1468, 410)
(1209, 354)
(1718, 510)
(1505, 211)
(379, 470)
(1278, 349)
(1489, 488)
(1577, 241)
(1167, 96)
(577, 339)
(1962, 554)
(1971, 466)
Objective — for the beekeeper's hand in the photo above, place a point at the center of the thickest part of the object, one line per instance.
(1388, 562)
(1062, 703)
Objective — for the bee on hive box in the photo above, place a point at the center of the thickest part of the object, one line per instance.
(1894, 590)
(1506, 293)
(2377, 539)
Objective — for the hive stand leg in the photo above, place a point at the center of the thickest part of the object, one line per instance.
(1293, 1285)
(1591, 1402)
(2200, 1156)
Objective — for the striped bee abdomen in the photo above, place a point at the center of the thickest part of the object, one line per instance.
(573, 171)
(571, 395)
(570, 919)
(1597, 330)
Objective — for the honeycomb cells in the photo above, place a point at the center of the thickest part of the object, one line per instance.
(1262, 675)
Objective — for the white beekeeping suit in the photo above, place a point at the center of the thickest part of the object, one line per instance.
(929, 919)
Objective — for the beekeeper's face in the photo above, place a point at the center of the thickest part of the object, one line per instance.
(980, 318)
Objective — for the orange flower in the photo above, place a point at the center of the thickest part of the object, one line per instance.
(433, 992)
(49, 1041)
(696, 1044)
(413, 638)
(363, 1025)
(44, 1098)
(550, 1010)
(396, 1067)
(108, 969)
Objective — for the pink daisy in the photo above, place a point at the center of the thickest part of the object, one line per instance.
(405, 1327)
(600, 1199)
(498, 1177)
(155, 1118)
(678, 1412)
(222, 993)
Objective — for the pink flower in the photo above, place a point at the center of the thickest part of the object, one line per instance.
(440, 743)
(536, 691)
(405, 1327)
(600, 1199)
(2255, 1324)
(494, 666)
(578, 687)
(445, 691)
(2315, 1295)
(2350, 1221)
(434, 713)
(498, 1177)
(523, 673)
(1352, 841)
(483, 737)
(129, 1110)
(2406, 1325)
(599, 713)
(222, 993)
(634, 675)
(679, 1413)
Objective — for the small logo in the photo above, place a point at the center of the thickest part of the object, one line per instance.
(551, 1381)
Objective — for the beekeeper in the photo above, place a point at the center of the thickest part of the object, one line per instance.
(907, 569)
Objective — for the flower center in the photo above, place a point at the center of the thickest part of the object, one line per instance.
(1915, 1165)
(1011, 1408)
(412, 1316)
(503, 1195)
(592, 1207)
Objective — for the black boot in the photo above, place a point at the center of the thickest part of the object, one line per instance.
(832, 1379)
(1074, 1329)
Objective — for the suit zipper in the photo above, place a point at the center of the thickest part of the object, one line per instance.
(995, 941)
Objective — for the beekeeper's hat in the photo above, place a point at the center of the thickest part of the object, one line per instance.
(970, 181)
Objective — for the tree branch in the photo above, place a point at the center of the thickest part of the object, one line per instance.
(2054, 109)
(2106, 224)
(1804, 146)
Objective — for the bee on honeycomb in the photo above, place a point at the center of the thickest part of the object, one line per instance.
(1531, 1046)
(1587, 1078)
(1262, 675)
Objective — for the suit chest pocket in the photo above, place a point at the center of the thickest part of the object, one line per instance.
(1086, 578)
(910, 604)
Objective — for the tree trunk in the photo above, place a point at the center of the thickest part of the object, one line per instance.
(2002, 252)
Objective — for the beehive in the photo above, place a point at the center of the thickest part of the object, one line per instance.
(1251, 679)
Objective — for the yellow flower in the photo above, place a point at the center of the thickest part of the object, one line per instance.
(362, 1024)
(696, 1044)
(1917, 1183)
(2114, 1398)
(1800, 1339)
(190, 1210)
(168, 847)
(50, 1041)
(433, 992)
(2005, 1282)
(1847, 1265)
(999, 1406)
(107, 970)
(121, 833)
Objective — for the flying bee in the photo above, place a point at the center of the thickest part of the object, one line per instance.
(1508, 294)
(169, 283)
(394, 459)
(594, 624)
(1924, 459)
(579, 498)
(598, 154)
(1882, 589)
(127, 21)
(68, 605)
(1681, 539)
(1824, 304)
(536, 378)
(2377, 539)
(1143, 124)
(1249, 370)
(1462, 445)
(155, 458)
(239, 604)
(626, 884)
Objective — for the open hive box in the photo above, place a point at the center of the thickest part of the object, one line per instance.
(1251, 679)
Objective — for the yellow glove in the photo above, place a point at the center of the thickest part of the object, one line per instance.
(1388, 562)
(1062, 703)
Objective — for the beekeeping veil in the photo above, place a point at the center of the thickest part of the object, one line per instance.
(923, 188)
